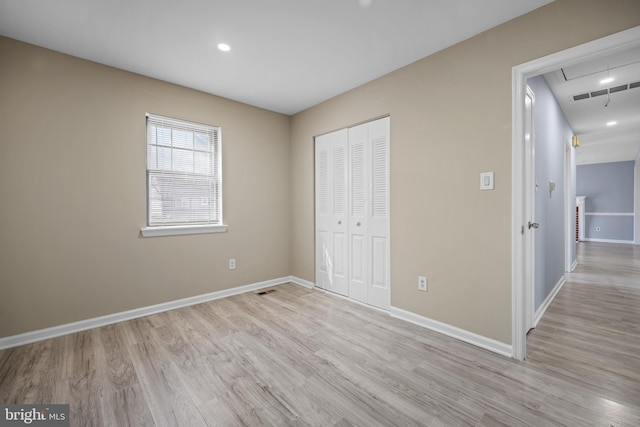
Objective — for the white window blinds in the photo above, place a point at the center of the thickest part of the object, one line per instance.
(183, 173)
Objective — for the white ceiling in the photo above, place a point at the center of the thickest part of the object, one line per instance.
(286, 55)
(588, 117)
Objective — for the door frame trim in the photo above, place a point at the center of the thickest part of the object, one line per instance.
(519, 74)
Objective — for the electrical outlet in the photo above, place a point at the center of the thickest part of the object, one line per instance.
(232, 264)
(422, 283)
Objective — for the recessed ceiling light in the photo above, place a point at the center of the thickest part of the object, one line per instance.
(607, 80)
(612, 123)
(224, 47)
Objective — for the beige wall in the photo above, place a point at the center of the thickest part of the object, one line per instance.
(450, 120)
(72, 193)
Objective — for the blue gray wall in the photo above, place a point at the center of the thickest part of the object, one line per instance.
(608, 188)
(552, 131)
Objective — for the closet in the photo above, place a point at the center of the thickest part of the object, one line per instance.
(352, 212)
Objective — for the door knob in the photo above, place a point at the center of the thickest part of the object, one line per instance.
(533, 225)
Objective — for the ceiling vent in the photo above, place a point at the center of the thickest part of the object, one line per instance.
(618, 88)
(602, 92)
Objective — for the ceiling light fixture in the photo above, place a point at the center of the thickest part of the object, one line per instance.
(224, 47)
(612, 123)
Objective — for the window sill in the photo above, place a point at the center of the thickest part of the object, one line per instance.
(177, 230)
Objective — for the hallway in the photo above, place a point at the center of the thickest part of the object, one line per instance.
(607, 264)
(590, 336)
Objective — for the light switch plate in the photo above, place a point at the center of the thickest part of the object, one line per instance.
(486, 181)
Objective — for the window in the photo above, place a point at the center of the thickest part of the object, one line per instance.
(183, 177)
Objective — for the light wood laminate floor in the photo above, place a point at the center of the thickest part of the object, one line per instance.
(607, 264)
(301, 357)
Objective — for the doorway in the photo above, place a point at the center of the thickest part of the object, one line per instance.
(522, 192)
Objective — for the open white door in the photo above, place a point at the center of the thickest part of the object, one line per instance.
(529, 202)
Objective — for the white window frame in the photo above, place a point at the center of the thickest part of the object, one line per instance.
(183, 227)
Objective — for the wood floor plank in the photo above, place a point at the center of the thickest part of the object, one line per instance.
(116, 368)
(17, 384)
(168, 401)
(126, 407)
(488, 420)
(85, 398)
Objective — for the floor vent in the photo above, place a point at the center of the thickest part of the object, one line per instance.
(266, 292)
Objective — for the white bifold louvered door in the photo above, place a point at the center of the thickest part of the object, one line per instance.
(331, 212)
(364, 185)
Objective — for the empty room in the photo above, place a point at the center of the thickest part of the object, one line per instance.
(320, 213)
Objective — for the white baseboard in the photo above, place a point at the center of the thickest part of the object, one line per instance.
(454, 332)
(301, 282)
(591, 239)
(96, 322)
(574, 265)
(547, 302)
